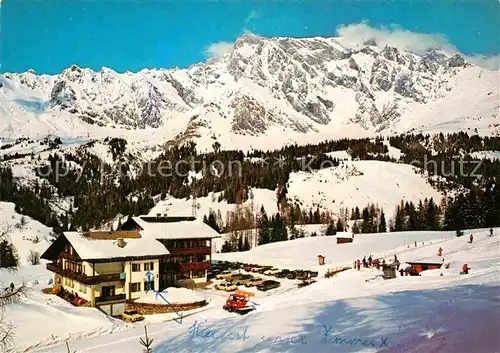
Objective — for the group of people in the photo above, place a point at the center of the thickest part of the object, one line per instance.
(370, 262)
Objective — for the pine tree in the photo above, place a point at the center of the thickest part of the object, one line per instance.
(246, 244)
(9, 257)
(340, 225)
(264, 228)
(382, 227)
(226, 247)
(366, 225)
(355, 228)
(331, 229)
(240, 243)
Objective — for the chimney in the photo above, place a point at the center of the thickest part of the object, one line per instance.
(120, 242)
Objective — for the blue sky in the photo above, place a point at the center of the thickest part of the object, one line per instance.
(50, 35)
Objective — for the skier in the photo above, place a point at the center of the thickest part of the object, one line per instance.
(364, 261)
(415, 244)
(471, 238)
(359, 264)
(465, 269)
(11, 286)
(491, 232)
(370, 260)
(440, 251)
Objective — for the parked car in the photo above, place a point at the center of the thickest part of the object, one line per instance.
(132, 316)
(224, 274)
(257, 268)
(213, 274)
(239, 279)
(272, 271)
(282, 273)
(227, 286)
(254, 282)
(267, 285)
(249, 268)
(264, 269)
(305, 283)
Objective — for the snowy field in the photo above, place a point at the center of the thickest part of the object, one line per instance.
(356, 311)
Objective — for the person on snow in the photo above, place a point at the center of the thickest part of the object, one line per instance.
(370, 260)
(383, 263)
(471, 238)
(359, 264)
(396, 262)
(364, 261)
(376, 263)
(465, 269)
(440, 251)
(491, 232)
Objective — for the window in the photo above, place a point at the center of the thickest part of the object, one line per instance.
(135, 287)
(149, 266)
(107, 291)
(149, 285)
(83, 288)
(136, 267)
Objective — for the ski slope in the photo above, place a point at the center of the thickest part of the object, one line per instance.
(412, 314)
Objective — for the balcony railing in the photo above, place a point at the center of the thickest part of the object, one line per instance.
(82, 278)
(195, 266)
(205, 250)
(110, 298)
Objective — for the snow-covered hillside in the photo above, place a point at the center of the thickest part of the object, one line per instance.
(25, 233)
(351, 312)
(358, 183)
(266, 92)
(351, 184)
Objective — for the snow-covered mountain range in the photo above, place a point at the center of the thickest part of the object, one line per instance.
(266, 92)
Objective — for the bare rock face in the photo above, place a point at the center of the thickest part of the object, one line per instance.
(456, 61)
(63, 96)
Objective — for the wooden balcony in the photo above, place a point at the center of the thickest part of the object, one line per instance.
(82, 278)
(205, 250)
(195, 266)
(110, 298)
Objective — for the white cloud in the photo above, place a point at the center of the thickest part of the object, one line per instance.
(218, 49)
(252, 15)
(419, 43)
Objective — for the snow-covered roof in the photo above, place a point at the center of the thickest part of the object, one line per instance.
(183, 229)
(88, 248)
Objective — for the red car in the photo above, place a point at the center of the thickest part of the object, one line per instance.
(79, 301)
(249, 268)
